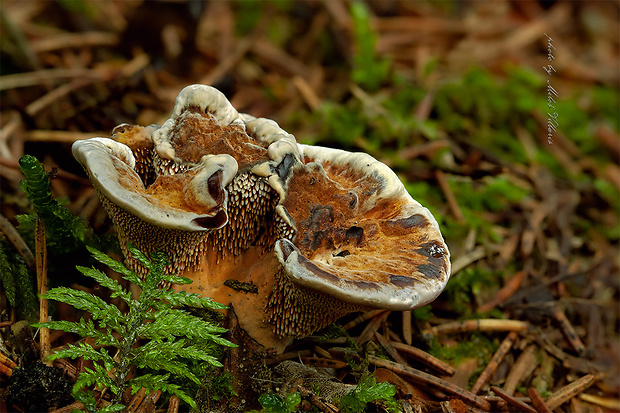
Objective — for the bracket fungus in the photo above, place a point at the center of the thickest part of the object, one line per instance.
(320, 232)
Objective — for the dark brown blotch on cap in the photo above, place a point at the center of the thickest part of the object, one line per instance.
(432, 249)
(413, 221)
(310, 266)
(365, 285)
(401, 280)
(431, 270)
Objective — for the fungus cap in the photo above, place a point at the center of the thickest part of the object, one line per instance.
(110, 166)
(361, 237)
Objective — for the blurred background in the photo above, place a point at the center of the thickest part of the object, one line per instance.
(452, 95)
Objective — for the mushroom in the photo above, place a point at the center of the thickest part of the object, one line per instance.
(230, 197)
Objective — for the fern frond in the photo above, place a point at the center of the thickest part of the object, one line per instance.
(100, 310)
(181, 324)
(65, 231)
(183, 298)
(105, 281)
(116, 266)
(88, 353)
(160, 382)
(151, 317)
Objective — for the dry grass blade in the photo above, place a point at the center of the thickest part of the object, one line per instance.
(323, 362)
(407, 335)
(478, 325)
(512, 401)
(424, 357)
(506, 292)
(361, 318)
(523, 367)
(387, 346)
(136, 400)
(445, 187)
(41, 264)
(69, 408)
(148, 404)
(40, 77)
(537, 401)
(173, 404)
(74, 40)
(18, 242)
(569, 391)
(569, 330)
(372, 327)
(463, 261)
(605, 402)
(495, 361)
(59, 136)
(317, 401)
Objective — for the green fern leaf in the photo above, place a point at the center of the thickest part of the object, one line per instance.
(65, 232)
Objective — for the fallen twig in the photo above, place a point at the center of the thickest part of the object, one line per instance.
(495, 361)
(428, 379)
(478, 325)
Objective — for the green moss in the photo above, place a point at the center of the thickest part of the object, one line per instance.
(470, 283)
(367, 391)
(475, 345)
(369, 71)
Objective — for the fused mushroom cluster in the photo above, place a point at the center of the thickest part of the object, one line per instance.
(320, 232)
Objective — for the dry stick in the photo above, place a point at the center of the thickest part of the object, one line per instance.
(495, 361)
(569, 391)
(606, 402)
(306, 92)
(478, 325)
(49, 98)
(40, 77)
(512, 400)
(6, 370)
(41, 264)
(569, 330)
(228, 63)
(173, 405)
(390, 349)
(71, 40)
(322, 352)
(324, 362)
(506, 292)
(537, 401)
(316, 400)
(41, 135)
(282, 357)
(371, 327)
(361, 318)
(148, 404)
(425, 378)
(464, 260)
(18, 242)
(69, 408)
(445, 187)
(424, 357)
(407, 327)
(523, 367)
(5, 361)
(136, 400)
